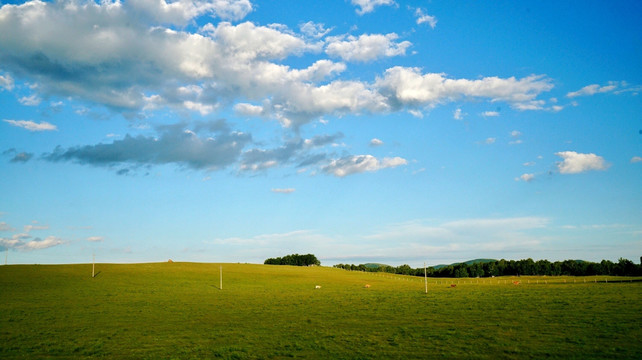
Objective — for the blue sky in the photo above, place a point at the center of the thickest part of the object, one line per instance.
(357, 130)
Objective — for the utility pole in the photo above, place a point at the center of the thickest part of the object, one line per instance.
(93, 266)
(425, 278)
(221, 273)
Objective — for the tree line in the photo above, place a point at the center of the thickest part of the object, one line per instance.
(294, 259)
(623, 267)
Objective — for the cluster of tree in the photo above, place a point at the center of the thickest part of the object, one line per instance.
(623, 267)
(294, 259)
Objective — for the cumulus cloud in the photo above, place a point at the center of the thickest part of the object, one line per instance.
(366, 6)
(575, 163)
(32, 125)
(376, 142)
(423, 18)
(366, 47)
(216, 148)
(95, 239)
(181, 12)
(124, 57)
(593, 89)
(361, 163)
(38, 244)
(21, 241)
(408, 86)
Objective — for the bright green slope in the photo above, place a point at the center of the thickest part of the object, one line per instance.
(177, 311)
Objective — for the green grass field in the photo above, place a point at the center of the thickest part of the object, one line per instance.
(177, 311)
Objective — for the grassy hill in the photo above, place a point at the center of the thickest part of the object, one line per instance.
(177, 311)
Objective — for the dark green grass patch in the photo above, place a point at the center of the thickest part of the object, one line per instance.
(177, 311)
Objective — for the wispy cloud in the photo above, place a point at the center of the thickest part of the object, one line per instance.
(490, 113)
(594, 89)
(423, 18)
(283, 191)
(361, 163)
(31, 125)
(366, 6)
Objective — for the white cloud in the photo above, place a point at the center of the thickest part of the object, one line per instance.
(408, 86)
(361, 163)
(201, 108)
(283, 191)
(95, 239)
(636, 159)
(366, 6)
(38, 244)
(31, 125)
(575, 163)
(529, 163)
(314, 30)
(490, 114)
(6, 82)
(248, 109)
(458, 114)
(32, 100)
(490, 140)
(457, 240)
(122, 56)
(9, 243)
(180, 12)
(593, 89)
(366, 47)
(376, 142)
(423, 18)
(527, 177)
(515, 134)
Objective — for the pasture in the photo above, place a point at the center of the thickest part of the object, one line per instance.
(177, 311)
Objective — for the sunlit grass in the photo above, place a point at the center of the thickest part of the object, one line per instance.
(177, 311)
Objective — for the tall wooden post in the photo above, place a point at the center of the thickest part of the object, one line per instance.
(93, 266)
(221, 273)
(425, 278)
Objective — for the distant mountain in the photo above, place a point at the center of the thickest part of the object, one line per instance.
(469, 262)
(374, 265)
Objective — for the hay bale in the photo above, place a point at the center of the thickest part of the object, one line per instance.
(170, 261)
